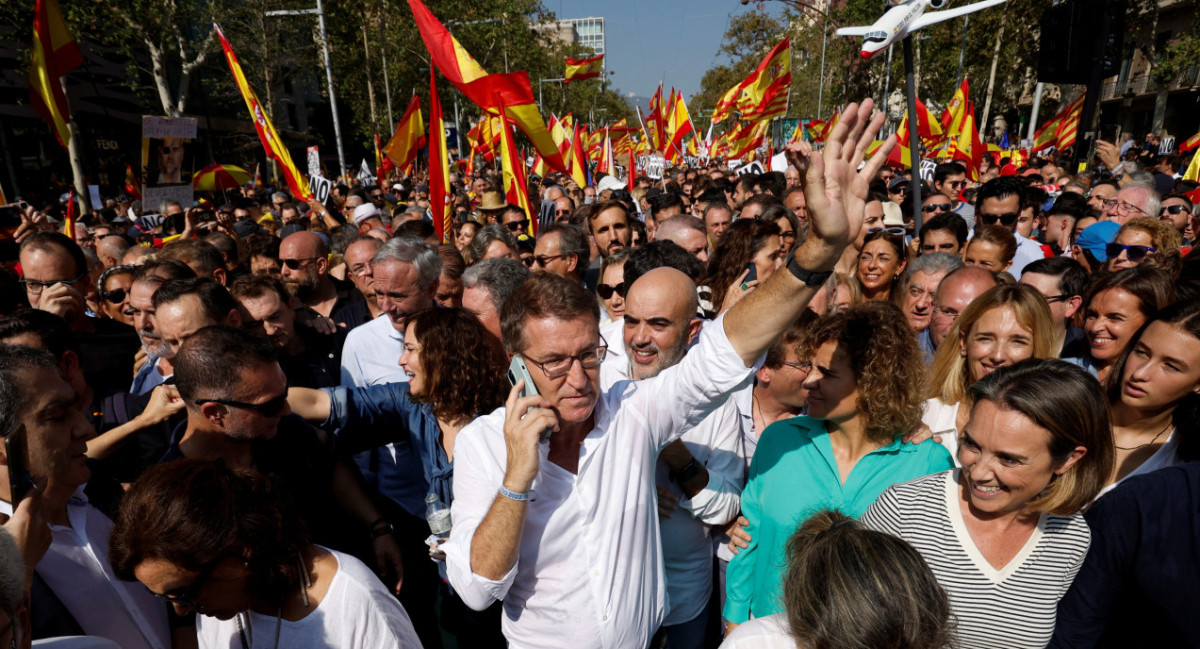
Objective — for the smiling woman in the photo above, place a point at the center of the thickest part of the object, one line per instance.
(1005, 534)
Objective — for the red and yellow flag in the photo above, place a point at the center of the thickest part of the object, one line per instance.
(764, 93)
(747, 137)
(409, 136)
(516, 188)
(680, 122)
(580, 69)
(1068, 130)
(954, 109)
(578, 159)
(54, 54)
(488, 91)
(606, 163)
(654, 120)
(966, 145)
(1190, 143)
(725, 106)
(131, 184)
(439, 165)
(266, 131)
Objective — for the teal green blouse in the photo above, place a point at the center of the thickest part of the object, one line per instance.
(793, 475)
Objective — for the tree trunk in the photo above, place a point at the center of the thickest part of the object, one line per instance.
(985, 125)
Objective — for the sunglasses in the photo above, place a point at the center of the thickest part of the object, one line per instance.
(935, 207)
(605, 291)
(270, 408)
(115, 296)
(896, 230)
(1007, 219)
(297, 264)
(955, 184)
(1133, 253)
(1173, 209)
(517, 226)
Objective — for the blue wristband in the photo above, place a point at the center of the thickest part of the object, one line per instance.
(528, 496)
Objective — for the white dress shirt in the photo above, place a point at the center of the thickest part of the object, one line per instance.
(1028, 251)
(616, 363)
(371, 354)
(589, 571)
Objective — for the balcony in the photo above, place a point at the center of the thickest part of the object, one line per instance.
(1144, 84)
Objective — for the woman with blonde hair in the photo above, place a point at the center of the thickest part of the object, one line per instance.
(1006, 324)
(1005, 534)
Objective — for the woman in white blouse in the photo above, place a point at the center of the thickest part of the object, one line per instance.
(1004, 534)
(1154, 394)
(1006, 324)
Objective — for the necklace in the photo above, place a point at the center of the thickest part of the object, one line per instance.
(1160, 434)
(248, 638)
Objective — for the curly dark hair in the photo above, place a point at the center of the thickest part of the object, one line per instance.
(736, 248)
(465, 364)
(887, 364)
(194, 513)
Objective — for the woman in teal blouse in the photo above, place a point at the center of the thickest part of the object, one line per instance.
(864, 391)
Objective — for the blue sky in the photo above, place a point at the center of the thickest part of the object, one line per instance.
(674, 41)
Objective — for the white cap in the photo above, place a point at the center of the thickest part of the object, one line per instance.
(610, 182)
(364, 212)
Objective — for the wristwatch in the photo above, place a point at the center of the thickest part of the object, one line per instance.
(809, 277)
(381, 527)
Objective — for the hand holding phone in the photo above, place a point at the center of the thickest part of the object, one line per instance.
(518, 371)
(20, 482)
(751, 274)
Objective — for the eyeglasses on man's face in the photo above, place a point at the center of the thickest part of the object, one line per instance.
(558, 367)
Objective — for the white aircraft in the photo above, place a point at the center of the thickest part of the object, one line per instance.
(905, 17)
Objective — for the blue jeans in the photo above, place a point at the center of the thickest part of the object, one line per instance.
(685, 635)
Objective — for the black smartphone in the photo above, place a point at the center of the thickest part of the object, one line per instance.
(752, 272)
(1108, 133)
(19, 480)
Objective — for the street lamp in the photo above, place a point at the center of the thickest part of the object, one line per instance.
(319, 12)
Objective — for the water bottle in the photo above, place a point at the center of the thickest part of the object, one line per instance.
(438, 516)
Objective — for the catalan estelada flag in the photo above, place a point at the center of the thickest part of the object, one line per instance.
(266, 131)
(580, 69)
(409, 137)
(488, 91)
(439, 165)
(54, 54)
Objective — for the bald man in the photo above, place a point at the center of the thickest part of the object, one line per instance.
(954, 293)
(688, 232)
(701, 473)
(304, 270)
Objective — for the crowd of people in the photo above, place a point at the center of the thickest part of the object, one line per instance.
(712, 409)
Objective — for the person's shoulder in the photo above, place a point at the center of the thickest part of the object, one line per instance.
(1168, 487)
(789, 433)
(487, 430)
(769, 632)
(373, 329)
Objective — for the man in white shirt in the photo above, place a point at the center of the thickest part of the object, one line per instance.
(565, 532)
(999, 202)
(405, 273)
(699, 476)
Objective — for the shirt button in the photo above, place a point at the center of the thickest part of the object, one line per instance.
(604, 617)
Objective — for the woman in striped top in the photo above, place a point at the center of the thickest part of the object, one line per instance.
(1004, 534)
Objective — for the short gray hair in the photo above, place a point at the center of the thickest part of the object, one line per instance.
(408, 250)
(679, 223)
(13, 396)
(1153, 202)
(932, 263)
(572, 240)
(162, 207)
(485, 237)
(500, 277)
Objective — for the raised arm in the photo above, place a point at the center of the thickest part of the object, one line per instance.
(311, 405)
(836, 193)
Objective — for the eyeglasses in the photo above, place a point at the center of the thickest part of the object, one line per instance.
(188, 597)
(1006, 219)
(1122, 206)
(955, 184)
(1133, 253)
(558, 367)
(517, 226)
(605, 291)
(528, 260)
(1173, 209)
(35, 287)
(935, 207)
(270, 408)
(561, 212)
(945, 313)
(1051, 299)
(801, 366)
(541, 261)
(297, 264)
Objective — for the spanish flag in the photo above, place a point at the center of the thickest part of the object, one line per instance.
(680, 122)
(966, 145)
(578, 159)
(439, 165)
(54, 53)
(266, 131)
(747, 137)
(1191, 143)
(580, 69)
(654, 119)
(488, 91)
(409, 137)
(131, 184)
(958, 103)
(516, 188)
(725, 106)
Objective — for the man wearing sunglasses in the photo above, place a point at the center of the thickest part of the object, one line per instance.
(999, 202)
(554, 528)
(949, 180)
(1177, 210)
(304, 270)
(562, 249)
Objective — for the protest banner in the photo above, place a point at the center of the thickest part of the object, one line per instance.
(314, 161)
(167, 160)
(320, 187)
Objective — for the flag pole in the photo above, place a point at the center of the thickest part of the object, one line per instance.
(914, 141)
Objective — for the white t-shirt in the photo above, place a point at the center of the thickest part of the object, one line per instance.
(357, 611)
(942, 420)
(371, 354)
(770, 632)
